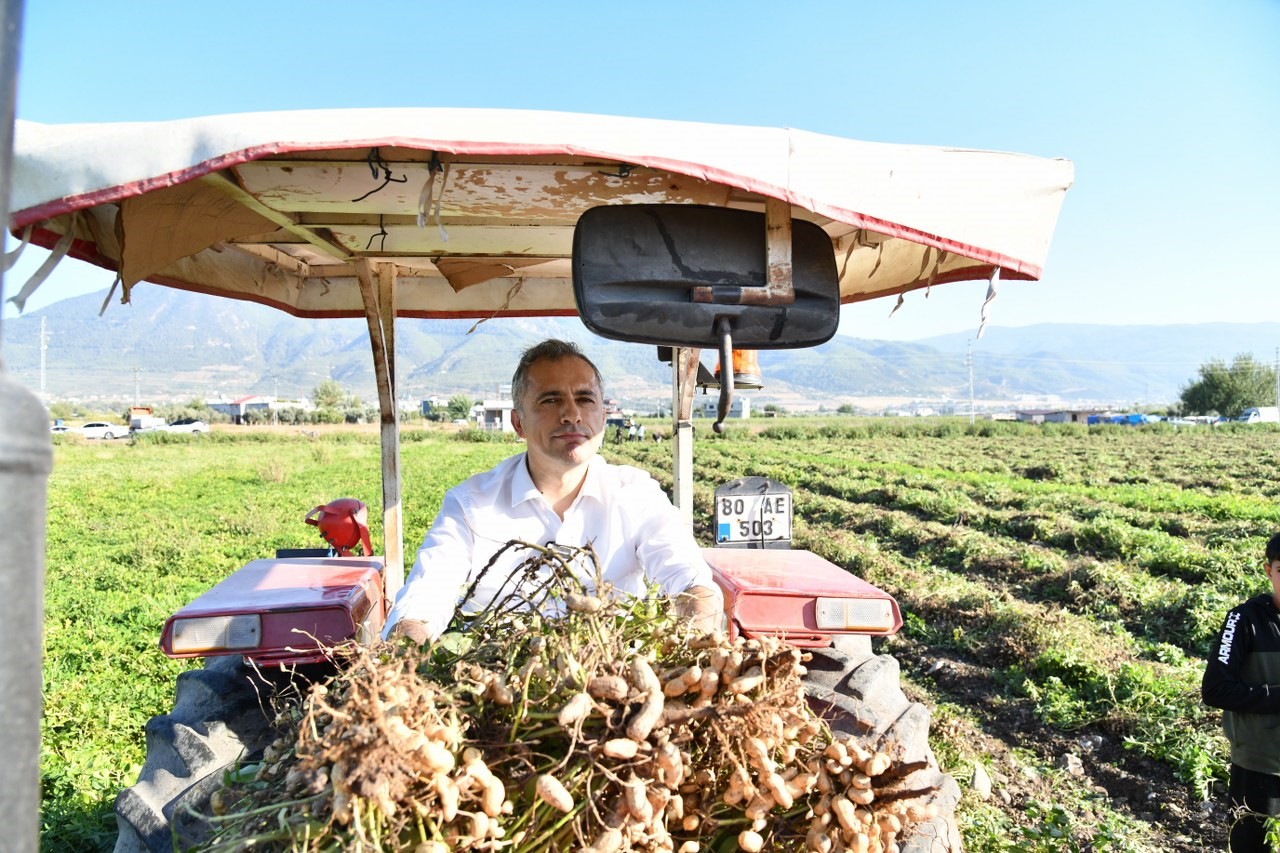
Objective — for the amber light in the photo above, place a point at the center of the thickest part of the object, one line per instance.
(746, 369)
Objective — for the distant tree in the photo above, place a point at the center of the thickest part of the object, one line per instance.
(775, 408)
(329, 395)
(845, 409)
(61, 409)
(459, 406)
(1228, 391)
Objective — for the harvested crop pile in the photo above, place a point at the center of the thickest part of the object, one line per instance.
(605, 726)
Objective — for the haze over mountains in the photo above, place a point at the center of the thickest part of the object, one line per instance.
(173, 345)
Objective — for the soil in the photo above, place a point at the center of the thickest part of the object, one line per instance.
(1018, 747)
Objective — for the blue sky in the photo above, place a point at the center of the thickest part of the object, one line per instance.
(1170, 110)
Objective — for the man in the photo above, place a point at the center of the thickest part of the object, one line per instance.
(558, 491)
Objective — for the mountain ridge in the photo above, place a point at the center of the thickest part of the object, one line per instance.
(172, 344)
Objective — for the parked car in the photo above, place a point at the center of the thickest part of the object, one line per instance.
(190, 426)
(59, 429)
(102, 429)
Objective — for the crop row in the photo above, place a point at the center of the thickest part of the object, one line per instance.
(1094, 595)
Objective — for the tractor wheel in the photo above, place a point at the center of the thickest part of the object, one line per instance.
(862, 696)
(221, 714)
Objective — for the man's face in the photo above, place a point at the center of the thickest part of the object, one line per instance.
(561, 417)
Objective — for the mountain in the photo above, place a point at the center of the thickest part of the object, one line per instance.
(173, 345)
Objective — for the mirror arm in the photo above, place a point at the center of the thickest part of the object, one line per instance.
(725, 331)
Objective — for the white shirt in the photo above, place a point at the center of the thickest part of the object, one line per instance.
(637, 534)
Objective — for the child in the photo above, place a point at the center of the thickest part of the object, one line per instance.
(1243, 678)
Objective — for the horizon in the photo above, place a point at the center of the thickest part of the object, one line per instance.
(1170, 119)
(34, 309)
(185, 347)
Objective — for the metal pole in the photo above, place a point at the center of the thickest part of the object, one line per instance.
(25, 460)
(968, 360)
(44, 348)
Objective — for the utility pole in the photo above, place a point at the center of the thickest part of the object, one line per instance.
(136, 371)
(1278, 376)
(968, 360)
(44, 346)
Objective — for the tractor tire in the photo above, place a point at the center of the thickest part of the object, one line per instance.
(863, 697)
(221, 715)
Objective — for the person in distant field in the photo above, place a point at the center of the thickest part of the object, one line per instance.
(1242, 678)
(640, 432)
(631, 430)
(559, 491)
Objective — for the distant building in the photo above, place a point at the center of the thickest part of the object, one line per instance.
(1057, 416)
(709, 405)
(493, 415)
(236, 409)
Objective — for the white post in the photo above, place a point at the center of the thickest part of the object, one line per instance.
(25, 460)
(684, 372)
(380, 312)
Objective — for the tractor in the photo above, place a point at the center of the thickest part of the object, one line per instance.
(680, 236)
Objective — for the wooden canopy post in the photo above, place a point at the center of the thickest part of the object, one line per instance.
(684, 377)
(380, 312)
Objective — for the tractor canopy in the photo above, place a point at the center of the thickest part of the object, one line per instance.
(471, 213)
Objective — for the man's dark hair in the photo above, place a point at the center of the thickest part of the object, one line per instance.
(551, 349)
(1273, 548)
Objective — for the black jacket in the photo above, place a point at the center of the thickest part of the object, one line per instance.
(1242, 678)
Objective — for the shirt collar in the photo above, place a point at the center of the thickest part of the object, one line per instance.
(593, 484)
(523, 489)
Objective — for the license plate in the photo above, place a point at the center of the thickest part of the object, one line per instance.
(753, 518)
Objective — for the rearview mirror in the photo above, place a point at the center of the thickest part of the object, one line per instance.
(678, 275)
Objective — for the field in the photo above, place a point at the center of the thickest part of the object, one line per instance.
(1060, 588)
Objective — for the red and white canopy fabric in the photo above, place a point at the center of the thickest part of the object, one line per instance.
(474, 210)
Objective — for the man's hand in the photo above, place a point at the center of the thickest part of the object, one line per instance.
(699, 605)
(411, 628)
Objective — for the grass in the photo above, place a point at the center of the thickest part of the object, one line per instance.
(1085, 571)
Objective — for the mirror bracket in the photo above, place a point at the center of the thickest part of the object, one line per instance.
(779, 286)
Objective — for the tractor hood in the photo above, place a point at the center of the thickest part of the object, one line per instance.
(474, 210)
